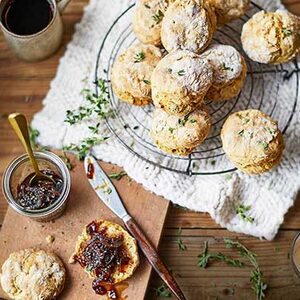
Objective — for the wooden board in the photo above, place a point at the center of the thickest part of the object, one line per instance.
(83, 207)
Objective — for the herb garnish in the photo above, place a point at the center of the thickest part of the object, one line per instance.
(147, 6)
(193, 121)
(181, 245)
(117, 176)
(241, 132)
(97, 104)
(286, 32)
(158, 16)
(163, 291)
(225, 68)
(206, 256)
(94, 129)
(265, 145)
(147, 81)
(84, 146)
(181, 72)
(171, 129)
(242, 210)
(170, 70)
(33, 134)
(183, 121)
(66, 160)
(139, 57)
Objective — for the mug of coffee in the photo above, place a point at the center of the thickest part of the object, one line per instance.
(33, 29)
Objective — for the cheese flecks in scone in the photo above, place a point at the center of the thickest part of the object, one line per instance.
(230, 71)
(147, 19)
(180, 82)
(272, 37)
(252, 141)
(131, 73)
(189, 25)
(33, 274)
(180, 135)
(229, 10)
(106, 252)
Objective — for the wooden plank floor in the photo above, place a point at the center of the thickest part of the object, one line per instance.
(23, 86)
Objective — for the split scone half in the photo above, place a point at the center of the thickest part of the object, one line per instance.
(252, 141)
(177, 135)
(180, 82)
(33, 274)
(131, 73)
(147, 19)
(107, 252)
(189, 25)
(272, 37)
(229, 72)
(229, 10)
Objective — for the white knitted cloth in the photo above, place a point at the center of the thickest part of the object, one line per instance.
(270, 195)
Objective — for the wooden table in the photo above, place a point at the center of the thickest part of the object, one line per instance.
(23, 86)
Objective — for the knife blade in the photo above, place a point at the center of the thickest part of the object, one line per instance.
(107, 193)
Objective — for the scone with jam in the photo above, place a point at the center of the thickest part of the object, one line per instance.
(107, 253)
(252, 141)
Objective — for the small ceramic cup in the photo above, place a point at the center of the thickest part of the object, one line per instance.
(39, 45)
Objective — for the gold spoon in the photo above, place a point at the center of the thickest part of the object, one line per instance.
(19, 124)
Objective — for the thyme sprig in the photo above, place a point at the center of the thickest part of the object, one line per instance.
(242, 211)
(158, 16)
(180, 244)
(118, 175)
(139, 57)
(95, 104)
(163, 291)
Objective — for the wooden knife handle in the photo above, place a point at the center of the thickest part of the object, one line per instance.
(152, 256)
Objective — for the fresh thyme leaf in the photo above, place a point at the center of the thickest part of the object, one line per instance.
(139, 57)
(136, 127)
(170, 70)
(147, 6)
(225, 68)
(117, 176)
(33, 134)
(181, 72)
(212, 162)
(242, 210)
(193, 121)
(163, 291)
(256, 276)
(183, 121)
(265, 145)
(147, 82)
(181, 245)
(94, 129)
(66, 160)
(84, 147)
(206, 256)
(95, 104)
(246, 121)
(286, 32)
(158, 16)
(241, 132)
(171, 129)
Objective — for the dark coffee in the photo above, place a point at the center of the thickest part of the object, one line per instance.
(26, 17)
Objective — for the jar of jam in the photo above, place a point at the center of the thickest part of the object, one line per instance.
(45, 200)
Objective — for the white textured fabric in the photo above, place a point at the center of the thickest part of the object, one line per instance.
(270, 195)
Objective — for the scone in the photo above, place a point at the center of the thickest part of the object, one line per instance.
(132, 71)
(230, 71)
(229, 10)
(180, 82)
(189, 25)
(147, 19)
(252, 141)
(180, 136)
(107, 253)
(33, 274)
(272, 37)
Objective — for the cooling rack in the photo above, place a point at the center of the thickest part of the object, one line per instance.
(272, 89)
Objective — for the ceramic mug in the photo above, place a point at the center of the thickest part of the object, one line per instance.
(39, 45)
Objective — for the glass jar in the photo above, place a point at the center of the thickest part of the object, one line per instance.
(20, 168)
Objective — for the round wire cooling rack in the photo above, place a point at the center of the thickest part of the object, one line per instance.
(272, 89)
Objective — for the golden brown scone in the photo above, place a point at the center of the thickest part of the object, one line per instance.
(230, 71)
(131, 73)
(106, 251)
(189, 25)
(252, 141)
(229, 10)
(33, 274)
(147, 18)
(180, 135)
(180, 82)
(272, 37)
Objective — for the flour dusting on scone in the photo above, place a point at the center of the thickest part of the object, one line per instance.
(188, 25)
(230, 71)
(131, 73)
(33, 274)
(252, 141)
(180, 82)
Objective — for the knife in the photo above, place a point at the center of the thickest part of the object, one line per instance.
(106, 191)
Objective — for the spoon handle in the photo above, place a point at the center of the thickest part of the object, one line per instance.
(19, 124)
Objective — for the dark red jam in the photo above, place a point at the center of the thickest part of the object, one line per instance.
(90, 171)
(40, 195)
(103, 256)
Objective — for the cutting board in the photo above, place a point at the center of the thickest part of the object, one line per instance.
(83, 206)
